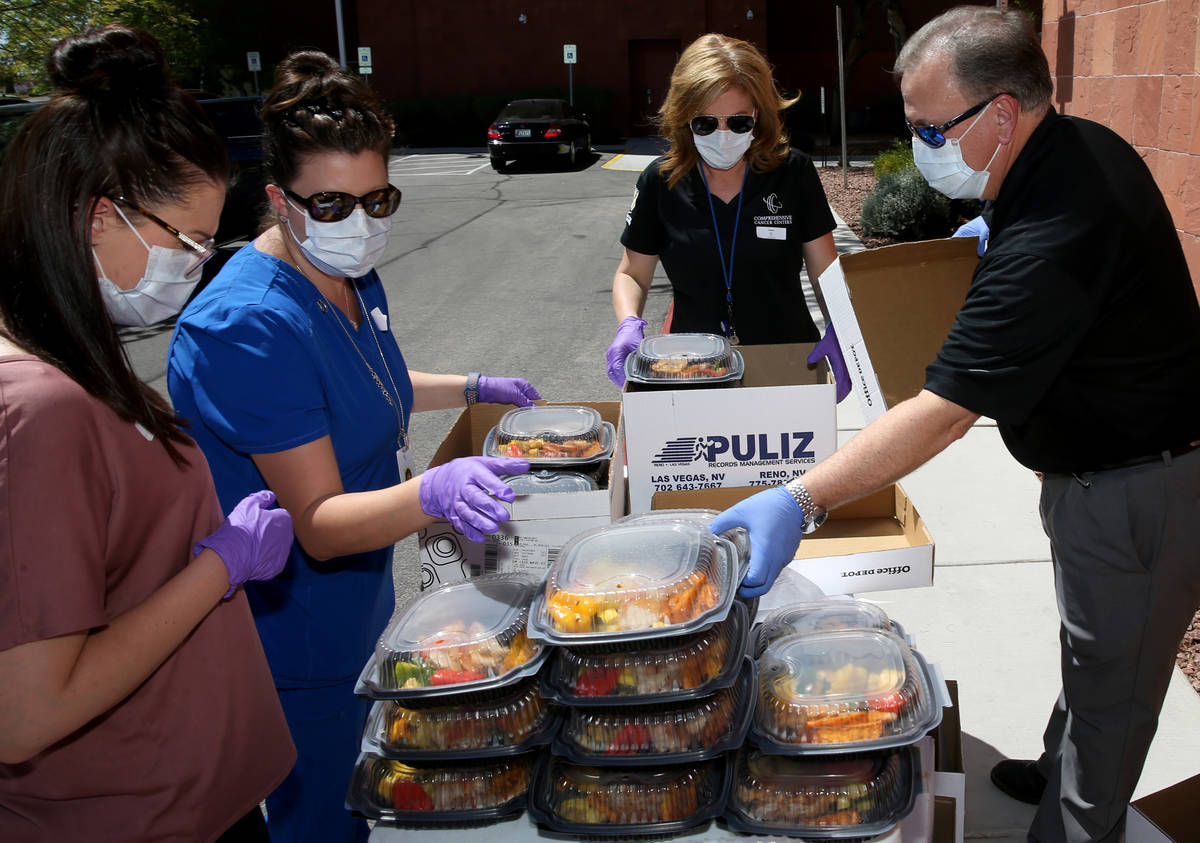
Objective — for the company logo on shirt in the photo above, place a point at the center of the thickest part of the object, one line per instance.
(737, 450)
(775, 218)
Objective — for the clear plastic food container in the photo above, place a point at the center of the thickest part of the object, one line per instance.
(462, 636)
(549, 435)
(627, 581)
(503, 721)
(684, 359)
(540, 482)
(855, 795)
(822, 616)
(649, 671)
(692, 730)
(570, 798)
(447, 792)
(851, 689)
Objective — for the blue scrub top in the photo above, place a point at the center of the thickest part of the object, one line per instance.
(260, 362)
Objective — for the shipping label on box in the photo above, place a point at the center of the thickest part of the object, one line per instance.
(777, 426)
(893, 308)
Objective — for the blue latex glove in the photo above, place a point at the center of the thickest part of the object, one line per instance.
(507, 391)
(776, 525)
(828, 348)
(974, 228)
(629, 336)
(464, 492)
(254, 541)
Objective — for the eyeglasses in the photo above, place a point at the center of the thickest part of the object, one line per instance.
(334, 205)
(935, 136)
(706, 124)
(201, 252)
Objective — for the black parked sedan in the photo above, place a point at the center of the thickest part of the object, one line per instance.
(525, 128)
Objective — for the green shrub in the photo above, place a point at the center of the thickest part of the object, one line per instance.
(902, 206)
(895, 158)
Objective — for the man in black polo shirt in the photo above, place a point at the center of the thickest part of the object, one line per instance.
(1080, 336)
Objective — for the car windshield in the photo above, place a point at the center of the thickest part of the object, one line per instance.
(532, 110)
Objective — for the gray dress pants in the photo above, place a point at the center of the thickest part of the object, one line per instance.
(1126, 550)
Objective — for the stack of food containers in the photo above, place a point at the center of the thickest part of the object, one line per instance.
(458, 724)
(568, 448)
(650, 663)
(680, 361)
(841, 700)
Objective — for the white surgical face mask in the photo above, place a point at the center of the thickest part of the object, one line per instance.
(162, 291)
(945, 169)
(347, 247)
(722, 149)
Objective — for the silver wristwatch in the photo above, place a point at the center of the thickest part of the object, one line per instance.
(814, 516)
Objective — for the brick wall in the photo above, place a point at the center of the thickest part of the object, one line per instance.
(1136, 68)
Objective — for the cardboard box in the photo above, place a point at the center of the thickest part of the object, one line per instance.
(540, 524)
(776, 425)
(893, 308)
(949, 776)
(876, 543)
(1167, 816)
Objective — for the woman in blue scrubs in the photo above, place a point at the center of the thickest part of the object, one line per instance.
(288, 370)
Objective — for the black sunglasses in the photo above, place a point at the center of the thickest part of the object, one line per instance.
(201, 252)
(935, 136)
(334, 205)
(706, 124)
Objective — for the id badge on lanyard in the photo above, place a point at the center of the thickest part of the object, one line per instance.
(404, 460)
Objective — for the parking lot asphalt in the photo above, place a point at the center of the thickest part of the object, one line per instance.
(510, 274)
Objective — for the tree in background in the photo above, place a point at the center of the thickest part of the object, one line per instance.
(29, 28)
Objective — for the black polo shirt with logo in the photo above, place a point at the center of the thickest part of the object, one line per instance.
(1080, 334)
(781, 211)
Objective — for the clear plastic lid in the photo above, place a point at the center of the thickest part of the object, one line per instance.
(441, 792)
(650, 670)
(551, 435)
(691, 730)
(503, 721)
(739, 535)
(538, 482)
(853, 795)
(849, 689)
(684, 359)
(627, 581)
(461, 636)
(821, 616)
(579, 799)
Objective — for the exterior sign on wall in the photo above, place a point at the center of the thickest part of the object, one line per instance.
(364, 60)
(570, 54)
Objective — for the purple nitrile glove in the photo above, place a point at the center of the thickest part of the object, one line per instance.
(828, 348)
(507, 391)
(975, 228)
(464, 492)
(775, 524)
(629, 336)
(254, 541)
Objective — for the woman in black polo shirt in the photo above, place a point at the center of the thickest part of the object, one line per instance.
(731, 211)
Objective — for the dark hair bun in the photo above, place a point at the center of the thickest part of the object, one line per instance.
(309, 63)
(106, 60)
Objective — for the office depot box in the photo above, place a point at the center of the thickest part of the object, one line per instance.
(540, 523)
(949, 776)
(875, 543)
(1166, 816)
(893, 308)
(776, 424)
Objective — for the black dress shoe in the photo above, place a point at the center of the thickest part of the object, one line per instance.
(1020, 780)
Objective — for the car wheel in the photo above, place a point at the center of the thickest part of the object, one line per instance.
(587, 144)
(573, 154)
(498, 163)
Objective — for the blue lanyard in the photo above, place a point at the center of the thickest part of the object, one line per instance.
(730, 332)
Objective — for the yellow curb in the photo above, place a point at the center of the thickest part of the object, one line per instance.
(608, 165)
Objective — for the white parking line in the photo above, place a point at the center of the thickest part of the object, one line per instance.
(437, 164)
